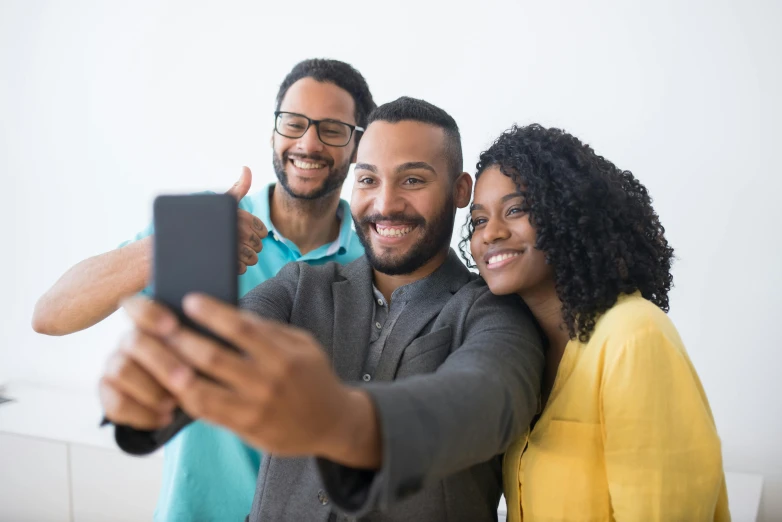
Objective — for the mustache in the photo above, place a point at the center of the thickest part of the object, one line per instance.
(305, 157)
(413, 219)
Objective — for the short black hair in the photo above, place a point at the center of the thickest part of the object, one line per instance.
(413, 109)
(341, 74)
(594, 221)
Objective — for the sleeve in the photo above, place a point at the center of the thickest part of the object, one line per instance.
(662, 454)
(273, 299)
(478, 402)
(146, 232)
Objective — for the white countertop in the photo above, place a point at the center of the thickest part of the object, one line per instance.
(55, 414)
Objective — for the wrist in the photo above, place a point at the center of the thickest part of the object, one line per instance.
(356, 441)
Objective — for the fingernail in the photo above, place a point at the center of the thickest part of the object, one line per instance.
(166, 419)
(180, 377)
(167, 325)
(190, 303)
(167, 405)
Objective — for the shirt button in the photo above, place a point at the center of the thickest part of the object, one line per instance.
(322, 498)
(367, 377)
(380, 302)
(379, 326)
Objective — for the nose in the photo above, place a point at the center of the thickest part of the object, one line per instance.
(309, 143)
(495, 230)
(388, 201)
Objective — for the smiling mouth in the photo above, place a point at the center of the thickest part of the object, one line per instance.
(500, 259)
(307, 165)
(393, 231)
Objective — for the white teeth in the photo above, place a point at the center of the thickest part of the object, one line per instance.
(501, 257)
(393, 232)
(306, 165)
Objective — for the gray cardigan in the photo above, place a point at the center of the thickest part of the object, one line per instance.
(466, 368)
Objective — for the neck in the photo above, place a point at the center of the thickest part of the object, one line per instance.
(547, 309)
(308, 223)
(388, 283)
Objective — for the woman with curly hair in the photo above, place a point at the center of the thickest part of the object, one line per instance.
(625, 430)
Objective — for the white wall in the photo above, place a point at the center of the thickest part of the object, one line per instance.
(104, 105)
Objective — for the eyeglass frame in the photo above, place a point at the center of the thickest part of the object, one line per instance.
(310, 122)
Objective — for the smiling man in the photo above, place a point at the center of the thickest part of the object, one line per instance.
(385, 389)
(322, 108)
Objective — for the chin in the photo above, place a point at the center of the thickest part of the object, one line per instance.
(499, 287)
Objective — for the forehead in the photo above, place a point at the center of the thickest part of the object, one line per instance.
(386, 145)
(319, 100)
(492, 185)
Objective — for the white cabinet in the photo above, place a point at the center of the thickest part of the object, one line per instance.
(111, 486)
(33, 480)
(57, 465)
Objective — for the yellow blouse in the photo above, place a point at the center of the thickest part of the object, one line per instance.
(627, 434)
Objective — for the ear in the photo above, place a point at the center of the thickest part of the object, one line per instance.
(462, 190)
(271, 139)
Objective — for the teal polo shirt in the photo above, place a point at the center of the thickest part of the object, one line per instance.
(209, 474)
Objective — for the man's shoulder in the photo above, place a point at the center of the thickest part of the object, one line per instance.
(476, 291)
(331, 271)
(474, 306)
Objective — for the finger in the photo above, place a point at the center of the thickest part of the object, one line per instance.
(258, 337)
(121, 409)
(242, 268)
(247, 255)
(248, 233)
(251, 240)
(242, 187)
(206, 400)
(216, 361)
(160, 361)
(129, 378)
(150, 316)
(259, 227)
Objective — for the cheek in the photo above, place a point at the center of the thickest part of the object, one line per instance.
(537, 266)
(475, 243)
(340, 156)
(358, 203)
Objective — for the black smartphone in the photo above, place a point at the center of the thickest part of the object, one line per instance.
(195, 250)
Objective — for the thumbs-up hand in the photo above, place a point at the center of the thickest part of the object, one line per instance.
(251, 229)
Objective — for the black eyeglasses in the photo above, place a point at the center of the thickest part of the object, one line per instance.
(330, 132)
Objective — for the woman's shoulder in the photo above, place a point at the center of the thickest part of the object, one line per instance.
(633, 321)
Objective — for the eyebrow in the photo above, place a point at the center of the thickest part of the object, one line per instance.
(366, 166)
(506, 197)
(416, 165)
(410, 165)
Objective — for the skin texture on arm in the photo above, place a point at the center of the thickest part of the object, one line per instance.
(92, 289)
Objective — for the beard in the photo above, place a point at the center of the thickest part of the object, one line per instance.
(334, 180)
(435, 236)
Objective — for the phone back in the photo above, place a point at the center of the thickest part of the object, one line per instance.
(195, 248)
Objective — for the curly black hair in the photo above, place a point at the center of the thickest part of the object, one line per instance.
(594, 222)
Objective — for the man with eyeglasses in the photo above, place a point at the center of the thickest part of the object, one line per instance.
(322, 109)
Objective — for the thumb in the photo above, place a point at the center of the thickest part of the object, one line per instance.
(241, 187)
